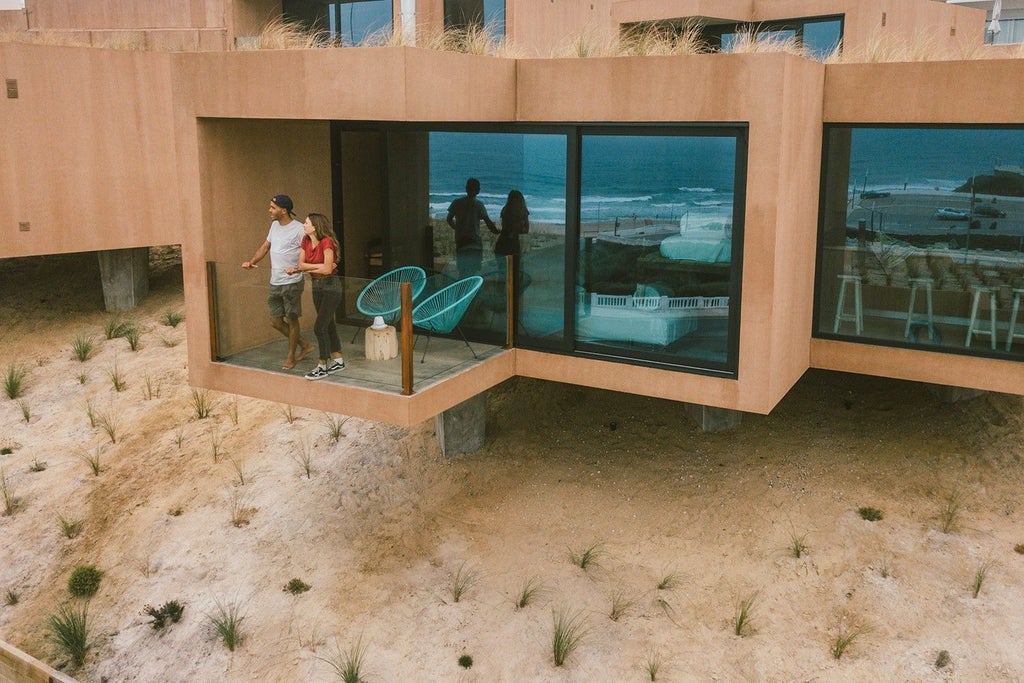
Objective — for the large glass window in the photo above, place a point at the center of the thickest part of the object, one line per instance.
(356, 20)
(481, 13)
(922, 238)
(534, 166)
(657, 256)
(820, 35)
(350, 22)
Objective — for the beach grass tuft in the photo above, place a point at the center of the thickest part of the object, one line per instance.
(742, 622)
(528, 592)
(172, 318)
(70, 528)
(568, 631)
(587, 557)
(202, 403)
(348, 664)
(93, 461)
(979, 577)
(464, 579)
(652, 664)
(949, 513)
(14, 380)
(67, 630)
(849, 630)
(83, 347)
(8, 492)
(227, 623)
(870, 514)
(621, 602)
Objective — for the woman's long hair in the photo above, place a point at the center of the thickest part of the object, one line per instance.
(514, 214)
(322, 228)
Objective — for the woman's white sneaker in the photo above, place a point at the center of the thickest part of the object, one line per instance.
(317, 373)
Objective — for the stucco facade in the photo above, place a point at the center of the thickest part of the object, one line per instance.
(173, 147)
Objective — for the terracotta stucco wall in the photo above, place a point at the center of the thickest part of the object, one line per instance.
(102, 14)
(89, 155)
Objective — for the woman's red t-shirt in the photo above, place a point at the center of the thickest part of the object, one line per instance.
(315, 253)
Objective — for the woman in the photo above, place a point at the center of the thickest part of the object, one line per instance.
(318, 257)
(515, 221)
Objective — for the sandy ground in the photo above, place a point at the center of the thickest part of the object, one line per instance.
(383, 523)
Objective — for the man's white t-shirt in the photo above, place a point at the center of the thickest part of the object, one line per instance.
(284, 251)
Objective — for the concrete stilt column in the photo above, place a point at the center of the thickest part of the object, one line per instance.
(125, 277)
(948, 394)
(711, 419)
(460, 429)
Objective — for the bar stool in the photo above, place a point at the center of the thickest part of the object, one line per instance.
(915, 284)
(857, 317)
(976, 327)
(1010, 334)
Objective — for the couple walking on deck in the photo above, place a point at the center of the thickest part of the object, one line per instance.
(296, 248)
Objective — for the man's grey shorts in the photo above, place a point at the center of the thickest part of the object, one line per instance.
(285, 301)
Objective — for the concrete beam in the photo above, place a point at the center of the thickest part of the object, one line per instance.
(460, 429)
(125, 277)
(711, 419)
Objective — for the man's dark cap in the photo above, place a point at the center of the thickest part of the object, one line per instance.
(284, 201)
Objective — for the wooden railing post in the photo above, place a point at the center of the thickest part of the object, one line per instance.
(407, 336)
(211, 303)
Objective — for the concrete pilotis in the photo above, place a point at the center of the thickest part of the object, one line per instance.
(711, 419)
(460, 429)
(125, 277)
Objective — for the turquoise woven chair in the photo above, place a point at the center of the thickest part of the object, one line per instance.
(383, 296)
(441, 312)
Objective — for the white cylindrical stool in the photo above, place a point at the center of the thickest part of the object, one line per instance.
(381, 341)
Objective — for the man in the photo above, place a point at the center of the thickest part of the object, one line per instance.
(285, 297)
(464, 216)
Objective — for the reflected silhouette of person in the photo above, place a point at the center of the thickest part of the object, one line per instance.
(464, 216)
(515, 221)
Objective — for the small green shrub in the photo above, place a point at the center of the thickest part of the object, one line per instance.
(870, 514)
(6, 450)
(942, 661)
(1019, 548)
(296, 587)
(12, 597)
(653, 664)
(169, 612)
(846, 634)
(465, 661)
(979, 577)
(26, 410)
(670, 581)
(84, 581)
(37, 466)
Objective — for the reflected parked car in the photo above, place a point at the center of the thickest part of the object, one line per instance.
(947, 214)
(873, 194)
(989, 211)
